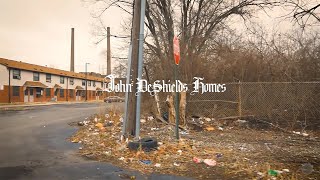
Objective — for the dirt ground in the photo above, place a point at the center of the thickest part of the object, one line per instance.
(242, 150)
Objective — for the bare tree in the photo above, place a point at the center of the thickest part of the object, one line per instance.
(305, 12)
(196, 22)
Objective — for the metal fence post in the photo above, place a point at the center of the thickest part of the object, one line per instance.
(240, 99)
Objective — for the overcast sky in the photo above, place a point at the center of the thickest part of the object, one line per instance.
(38, 32)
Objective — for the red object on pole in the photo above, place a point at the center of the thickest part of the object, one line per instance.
(176, 50)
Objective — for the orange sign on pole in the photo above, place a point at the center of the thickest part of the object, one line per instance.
(176, 50)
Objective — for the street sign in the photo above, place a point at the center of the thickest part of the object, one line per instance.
(176, 50)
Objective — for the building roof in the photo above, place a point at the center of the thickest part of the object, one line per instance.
(79, 88)
(36, 68)
(34, 84)
(57, 86)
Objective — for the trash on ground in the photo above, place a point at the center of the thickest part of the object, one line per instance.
(99, 125)
(210, 162)
(286, 170)
(147, 162)
(157, 165)
(273, 172)
(145, 144)
(306, 168)
(210, 128)
(219, 155)
(208, 119)
(176, 164)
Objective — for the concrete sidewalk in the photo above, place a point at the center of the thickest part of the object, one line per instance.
(26, 105)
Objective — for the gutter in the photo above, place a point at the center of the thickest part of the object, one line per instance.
(67, 93)
(9, 92)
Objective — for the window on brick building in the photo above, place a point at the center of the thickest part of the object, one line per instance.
(16, 74)
(48, 92)
(61, 80)
(38, 92)
(61, 92)
(36, 76)
(16, 91)
(48, 78)
(71, 93)
(71, 81)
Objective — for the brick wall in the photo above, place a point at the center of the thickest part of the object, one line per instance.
(4, 98)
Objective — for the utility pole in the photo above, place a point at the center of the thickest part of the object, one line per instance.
(132, 99)
(72, 51)
(108, 52)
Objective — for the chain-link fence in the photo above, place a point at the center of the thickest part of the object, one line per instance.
(287, 104)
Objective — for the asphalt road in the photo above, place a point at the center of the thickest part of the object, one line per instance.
(34, 145)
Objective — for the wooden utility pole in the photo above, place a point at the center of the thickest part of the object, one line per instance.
(72, 51)
(108, 52)
(132, 99)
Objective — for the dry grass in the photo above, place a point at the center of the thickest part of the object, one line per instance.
(244, 151)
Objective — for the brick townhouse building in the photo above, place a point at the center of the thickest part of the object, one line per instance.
(24, 82)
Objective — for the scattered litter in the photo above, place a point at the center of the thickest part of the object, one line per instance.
(184, 132)
(294, 132)
(273, 172)
(107, 153)
(260, 174)
(75, 141)
(150, 118)
(83, 123)
(305, 134)
(99, 125)
(208, 119)
(176, 164)
(219, 155)
(201, 122)
(121, 159)
(143, 120)
(241, 121)
(160, 143)
(220, 128)
(80, 148)
(147, 162)
(286, 170)
(95, 119)
(154, 129)
(180, 152)
(210, 162)
(121, 119)
(157, 165)
(109, 123)
(210, 128)
(306, 168)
